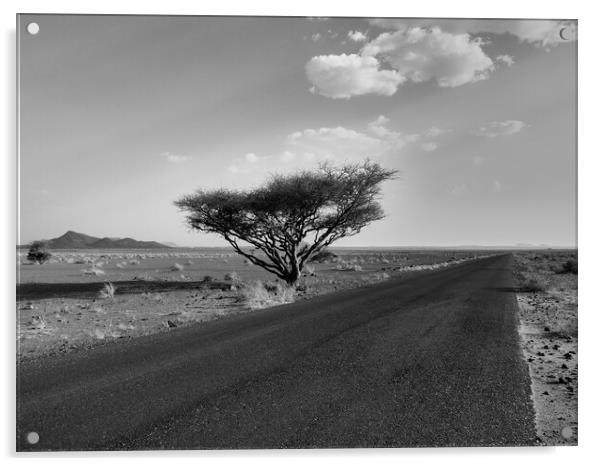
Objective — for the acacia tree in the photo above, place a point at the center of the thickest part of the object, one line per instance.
(37, 253)
(291, 217)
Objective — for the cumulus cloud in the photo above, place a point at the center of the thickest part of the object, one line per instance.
(421, 55)
(501, 128)
(414, 54)
(344, 76)
(176, 158)
(357, 36)
(316, 37)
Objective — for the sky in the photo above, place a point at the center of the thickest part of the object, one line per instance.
(121, 115)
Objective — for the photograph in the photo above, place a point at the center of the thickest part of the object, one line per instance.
(295, 232)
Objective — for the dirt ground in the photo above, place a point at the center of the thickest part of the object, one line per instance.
(64, 324)
(548, 315)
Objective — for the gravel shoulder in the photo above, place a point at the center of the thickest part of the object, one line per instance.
(548, 327)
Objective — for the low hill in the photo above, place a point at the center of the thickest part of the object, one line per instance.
(74, 240)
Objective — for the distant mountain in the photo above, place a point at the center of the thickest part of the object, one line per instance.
(74, 240)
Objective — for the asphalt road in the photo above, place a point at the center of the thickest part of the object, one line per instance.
(431, 360)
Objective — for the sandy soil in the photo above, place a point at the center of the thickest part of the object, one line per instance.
(549, 338)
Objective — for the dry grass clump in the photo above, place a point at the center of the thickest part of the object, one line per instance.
(381, 276)
(108, 291)
(258, 295)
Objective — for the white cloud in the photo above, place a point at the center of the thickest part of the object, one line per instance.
(429, 146)
(478, 160)
(497, 186)
(421, 55)
(304, 149)
(344, 76)
(316, 37)
(541, 33)
(342, 144)
(506, 59)
(357, 36)
(378, 127)
(176, 158)
(414, 54)
(501, 128)
(251, 158)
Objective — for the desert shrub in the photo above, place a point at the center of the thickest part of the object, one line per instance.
(177, 267)
(232, 277)
(346, 266)
(258, 295)
(207, 279)
(310, 269)
(37, 253)
(108, 291)
(569, 266)
(531, 286)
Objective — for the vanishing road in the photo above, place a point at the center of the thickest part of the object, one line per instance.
(431, 360)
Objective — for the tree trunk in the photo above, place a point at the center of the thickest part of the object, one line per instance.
(294, 272)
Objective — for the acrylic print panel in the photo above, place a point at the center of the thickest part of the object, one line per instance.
(252, 232)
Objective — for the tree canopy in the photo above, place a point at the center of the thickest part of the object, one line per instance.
(291, 218)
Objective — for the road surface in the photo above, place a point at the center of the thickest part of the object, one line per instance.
(431, 360)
